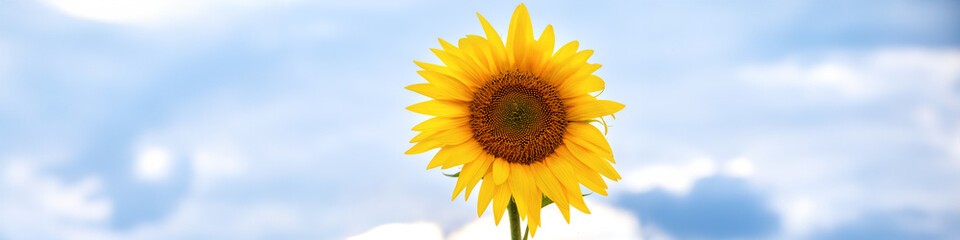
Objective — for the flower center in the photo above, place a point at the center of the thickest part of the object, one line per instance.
(518, 117)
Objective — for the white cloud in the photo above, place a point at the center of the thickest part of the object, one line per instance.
(166, 12)
(825, 75)
(42, 194)
(153, 163)
(798, 216)
(863, 76)
(939, 130)
(212, 163)
(821, 175)
(78, 201)
(604, 222)
(270, 216)
(35, 205)
(740, 167)
(150, 11)
(402, 231)
(677, 179)
(199, 215)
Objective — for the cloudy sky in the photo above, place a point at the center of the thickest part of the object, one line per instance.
(215, 119)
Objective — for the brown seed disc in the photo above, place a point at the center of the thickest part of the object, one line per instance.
(518, 117)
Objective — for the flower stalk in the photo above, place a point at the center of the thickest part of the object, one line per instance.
(514, 215)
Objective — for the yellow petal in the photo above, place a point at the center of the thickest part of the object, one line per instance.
(585, 175)
(576, 200)
(534, 220)
(561, 55)
(567, 177)
(547, 182)
(487, 191)
(591, 148)
(545, 47)
(520, 182)
(429, 90)
(433, 67)
(441, 123)
(424, 135)
(594, 109)
(593, 161)
(570, 66)
(563, 171)
(550, 186)
(500, 201)
(470, 60)
(452, 87)
(482, 170)
(585, 85)
(441, 108)
(519, 35)
(575, 73)
(455, 152)
(578, 100)
(456, 74)
(590, 178)
(491, 33)
(463, 153)
(476, 48)
(438, 158)
(566, 50)
(469, 70)
(452, 136)
(470, 175)
(422, 147)
(466, 174)
(497, 49)
(592, 137)
(501, 169)
(547, 42)
(564, 208)
(489, 51)
(450, 48)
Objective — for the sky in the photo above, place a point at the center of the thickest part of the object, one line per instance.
(214, 119)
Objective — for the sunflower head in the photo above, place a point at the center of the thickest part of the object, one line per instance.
(516, 117)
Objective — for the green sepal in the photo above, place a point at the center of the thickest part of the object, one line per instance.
(547, 201)
(452, 175)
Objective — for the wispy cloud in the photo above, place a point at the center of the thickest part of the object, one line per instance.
(37, 205)
(865, 76)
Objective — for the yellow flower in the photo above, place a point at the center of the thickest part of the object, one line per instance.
(516, 116)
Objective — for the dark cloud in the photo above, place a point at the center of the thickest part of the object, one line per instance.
(716, 207)
(901, 224)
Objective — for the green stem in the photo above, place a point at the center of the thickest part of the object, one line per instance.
(526, 232)
(514, 220)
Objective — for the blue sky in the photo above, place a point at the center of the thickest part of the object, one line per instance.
(285, 119)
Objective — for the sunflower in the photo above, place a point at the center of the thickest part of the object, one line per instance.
(518, 117)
